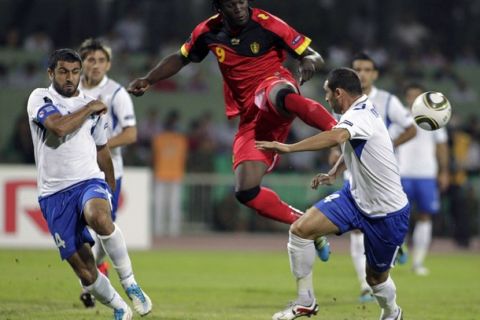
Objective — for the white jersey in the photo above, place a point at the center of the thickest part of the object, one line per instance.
(63, 162)
(396, 117)
(392, 111)
(417, 157)
(368, 155)
(120, 114)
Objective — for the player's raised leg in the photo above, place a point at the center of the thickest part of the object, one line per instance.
(98, 217)
(266, 202)
(284, 98)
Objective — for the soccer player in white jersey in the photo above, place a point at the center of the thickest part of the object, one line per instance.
(372, 201)
(423, 163)
(75, 181)
(96, 57)
(394, 114)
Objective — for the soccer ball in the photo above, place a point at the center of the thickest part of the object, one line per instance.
(431, 110)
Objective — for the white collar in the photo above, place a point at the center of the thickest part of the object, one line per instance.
(360, 100)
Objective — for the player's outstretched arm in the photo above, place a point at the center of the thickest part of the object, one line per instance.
(310, 62)
(104, 160)
(325, 139)
(61, 125)
(166, 68)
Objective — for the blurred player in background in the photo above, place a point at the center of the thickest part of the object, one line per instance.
(423, 165)
(122, 131)
(372, 201)
(75, 181)
(250, 45)
(393, 113)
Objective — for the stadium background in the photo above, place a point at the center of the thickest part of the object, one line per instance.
(433, 42)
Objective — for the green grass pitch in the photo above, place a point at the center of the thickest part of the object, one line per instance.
(235, 286)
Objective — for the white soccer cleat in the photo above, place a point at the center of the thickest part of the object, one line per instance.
(295, 310)
(141, 302)
(123, 314)
(397, 316)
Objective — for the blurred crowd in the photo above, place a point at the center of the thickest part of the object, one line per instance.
(416, 47)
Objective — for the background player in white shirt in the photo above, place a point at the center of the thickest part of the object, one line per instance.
(372, 201)
(423, 163)
(122, 131)
(69, 133)
(394, 114)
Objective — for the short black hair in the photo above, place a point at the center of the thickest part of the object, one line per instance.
(91, 45)
(414, 85)
(216, 5)
(65, 54)
(346, 79)
(363, 56)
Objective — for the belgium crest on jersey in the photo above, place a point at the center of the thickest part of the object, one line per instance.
(255, 47)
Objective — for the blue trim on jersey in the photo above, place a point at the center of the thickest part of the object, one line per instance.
(358, 145)
(383, 235)
(360, 108)
(116, 198)
(388, 121)
(114, 116)
(45, 111)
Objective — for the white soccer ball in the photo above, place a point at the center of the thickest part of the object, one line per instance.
(431, 110)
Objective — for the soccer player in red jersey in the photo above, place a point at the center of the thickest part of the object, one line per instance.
(251, 45)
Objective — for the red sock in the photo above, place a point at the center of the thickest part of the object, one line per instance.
(311, 112)
(268, 204)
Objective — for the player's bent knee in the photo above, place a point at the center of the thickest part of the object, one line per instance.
(277, 96)
(375, 278)
(245, 196)
(87, 275)
(300, 229)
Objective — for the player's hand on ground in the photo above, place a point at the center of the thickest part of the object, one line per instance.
(138, 86)
(322, 179)
(272, 146)
(97, 107)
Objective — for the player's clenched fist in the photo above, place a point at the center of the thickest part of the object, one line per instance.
(138, 86)
(97, 107)
(322, 179)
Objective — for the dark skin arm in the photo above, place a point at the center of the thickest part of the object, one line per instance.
(310, 62)
(62, 125)
(104, 160)
(167, 67)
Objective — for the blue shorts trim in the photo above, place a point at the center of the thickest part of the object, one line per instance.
(383, 235)
(116, 198)
(64, 214)
(423, 194)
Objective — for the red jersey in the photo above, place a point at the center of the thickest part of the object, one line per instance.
(246, 58)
